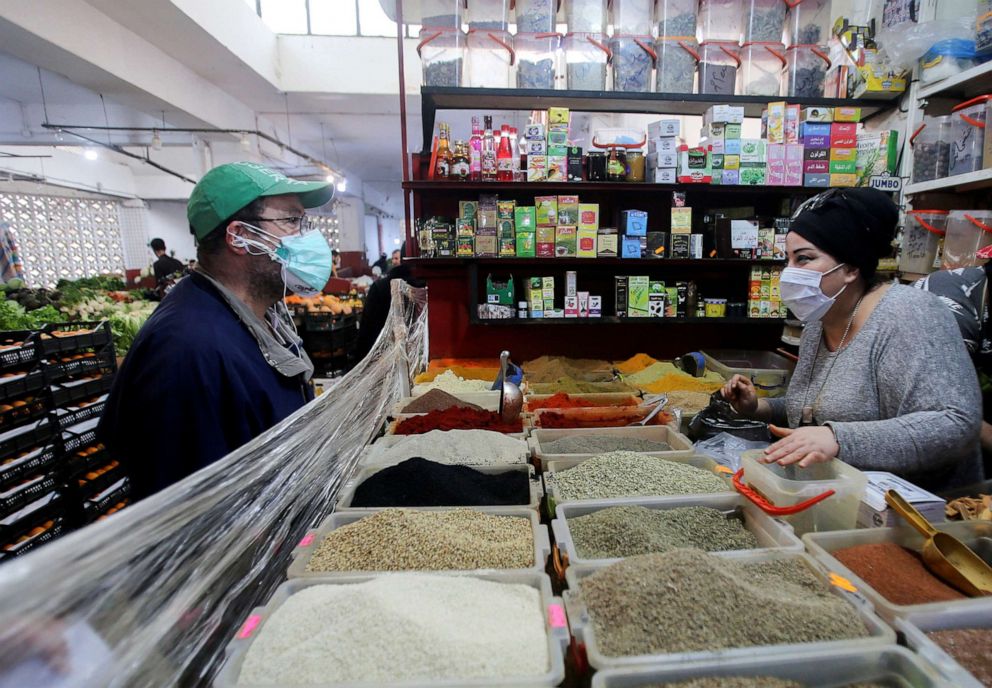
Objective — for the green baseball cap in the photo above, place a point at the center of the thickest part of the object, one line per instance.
(226, 189)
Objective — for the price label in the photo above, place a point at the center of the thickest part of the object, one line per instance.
(885, 182)
(307, 540)
(556, 616)
(251, 623)
(743, 234)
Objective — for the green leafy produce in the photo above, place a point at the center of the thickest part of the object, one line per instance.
(100, 282)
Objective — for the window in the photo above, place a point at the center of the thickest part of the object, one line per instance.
(334, 17)
(285, 16)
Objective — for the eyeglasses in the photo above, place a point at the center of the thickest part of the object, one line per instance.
(301, 224)
(818, 201)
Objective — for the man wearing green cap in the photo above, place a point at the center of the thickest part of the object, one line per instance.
(219, 362)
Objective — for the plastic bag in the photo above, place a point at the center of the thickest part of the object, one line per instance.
(946, 58)
(726, 449)
(906, 44)
(719, 417)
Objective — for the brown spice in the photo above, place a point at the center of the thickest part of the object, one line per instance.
(896, 573)
(437, 400)
(971, 647)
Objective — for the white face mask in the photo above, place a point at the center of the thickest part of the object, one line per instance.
(801, 292)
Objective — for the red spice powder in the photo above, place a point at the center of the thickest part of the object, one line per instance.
(456, 419)
(898, 574)
(600, 417)
(565, 400)
(971, 647)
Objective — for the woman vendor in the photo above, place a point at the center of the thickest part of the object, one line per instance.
(884, 381)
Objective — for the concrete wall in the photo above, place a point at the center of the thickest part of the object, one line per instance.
(167, 220)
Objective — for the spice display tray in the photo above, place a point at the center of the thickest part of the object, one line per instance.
(597, 399)
(697, 460)
(551, 608)
(895, 666)
(771, 533)
(539, 438)
(372, 454)
(536, 490)
(581, 624)
(311, 541)
(915, 626)
(489, 401)
(397, 419)
(591, 416)
(822, 545)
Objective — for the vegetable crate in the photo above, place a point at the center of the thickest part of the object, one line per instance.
(326, 322)
(33, 525)
(19, 466)
(18, 349)
(69, 337)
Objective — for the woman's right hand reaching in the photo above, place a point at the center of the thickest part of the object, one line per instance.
(740, 392)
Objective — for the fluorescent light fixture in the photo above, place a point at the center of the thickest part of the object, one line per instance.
(245, 142)
(329, 179)
(156, 141)
(342, 185)
(91, 154)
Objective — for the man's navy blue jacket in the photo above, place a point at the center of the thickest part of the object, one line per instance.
(194, 387)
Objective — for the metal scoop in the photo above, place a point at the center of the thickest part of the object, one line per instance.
(946, 556)
(511, 400)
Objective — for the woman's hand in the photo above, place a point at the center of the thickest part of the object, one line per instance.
(740, 392)
(807, 445)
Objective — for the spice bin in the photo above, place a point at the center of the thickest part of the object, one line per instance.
(677, 61)
(550, 608)
(790, 486)
(586, 58)
(676, 18)
(916, 627)
(770, 533)
(822, 545)
(536, 16)
(761, 69)
(769, 372)
(540, 438)
(720, 20)
(441, 13)
(718, 65)
(633, 62)
(490, 58)
(968, 232)
(809, 22)
(967, 135)
(489, 15)
(587, 16)
(921, 239)
(632, 17)
(931, 149)
(893, 665)
(442, 52)
(764, 21)
(536, 54)
(806, 71)
(311, 541)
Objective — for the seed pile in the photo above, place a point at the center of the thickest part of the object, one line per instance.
(536, 73)
(402, 540)
(419, 482)
(594, 444)
(473, 447)
(897, 574)
(691, 403)
(456, 418)
(626, 531)
(563, 400)
(450, 382)
(971, 647)
(550, 368)
(448, 73)
(632, 66)
(676, 68)
(733, 682)
(931, 160)
(401, 627)
(587, 76)
(626, 474)
(687, 600)
(437, 400)
(764, 22)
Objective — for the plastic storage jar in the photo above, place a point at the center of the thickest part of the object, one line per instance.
(489, 14)
(677, 61)
(633, 61)
(441, 13)
(718, 65)
(931, 149)
(761, 69)
(921, 239)
(806, 71)
(676, 18)
(968, 231)
(490, 58)
(967, 135)
(536, 54)
(764, 21)
(632, 17)
(442, 52)
(809, 22)
(586, 58)
(720, 20)
(536, 16)
(587, 16)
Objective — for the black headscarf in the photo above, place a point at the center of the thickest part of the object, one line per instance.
(855, 226)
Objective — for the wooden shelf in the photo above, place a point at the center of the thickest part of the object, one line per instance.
(579, 188)
(613, 320)
(591, 262)
(973, 181)
(967, 84)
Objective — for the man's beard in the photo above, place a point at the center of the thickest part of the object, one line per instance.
(265, 279)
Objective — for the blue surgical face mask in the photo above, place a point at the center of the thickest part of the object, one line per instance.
(305, 258)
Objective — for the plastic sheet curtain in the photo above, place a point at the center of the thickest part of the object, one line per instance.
(152, 595)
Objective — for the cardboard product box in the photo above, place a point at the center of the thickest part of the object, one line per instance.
(843, 132)
(878, 154)
(536, 300)
(847, 114)
(607, 243)
(504, 210)
(468, 210)
(637, 296)
(538, 147)
(661, 161)
(816, 167)
(731, 162)
(714, 145)
(548, 294)
(526, 244)
(816, 153)
(714, 130)
(843, 180)
(508, 248)
(732, 131)
(545, 249)
(630, 247)
(557, 168)
(817, 114)
(525, 218)
(694, 166)
(545, 237)
(568, 210)
(465, 247)
(843, 167)
(664, 127)
(779, 252)
(716, 177)
(807, 129)
(485, 246)
(728, 114)
(754, 175)
(571, 306)
(465, 227)
(657, 244)
(547, 210)
(775, 173)
(792, 124)
(776, 122)
(506, 229)
(753, 151)
(558, 115)
(816, 141)
(843, 154)
(537, 168)
(574, 164)
(586, 246)
(731, 177)
(671, 302)
(557, 138)
(755, 290)
(774, 151)
(557, 151)
(589, 216)
(794, 164)
(816, 180)
(716, 161)
(620, 291)
(583, 304)
(664, 145)
(696, 246)
(680, 245)
(681, 220)
(566, 239)
(634, 223)
(548, 283)
(595, 306)
(732, 147)
(656, 305)
(535, 132)
(486, 219)
(665, 176)
(766, 242)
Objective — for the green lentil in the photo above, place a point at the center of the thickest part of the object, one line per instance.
(626, 531)
(626, 474)
(594, 444)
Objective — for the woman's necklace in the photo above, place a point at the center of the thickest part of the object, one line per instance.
(807, 410)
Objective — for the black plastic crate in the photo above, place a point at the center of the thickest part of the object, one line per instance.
(68, 337)
(66, 418)
(95, 363)
(117, 492)
(47, 507)
(14, 497)
(27, 438)
(22, 385)
(94, 486)
(69, 393)
(18, 349)
(75, 463)
(22, 413)
(77, 436)
(34, 462)
(326, 322)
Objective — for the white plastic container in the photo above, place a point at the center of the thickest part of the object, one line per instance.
(632, 17)
(539, 438)
(587, 16)
(311, 541)
(442, 53)
(917, 625)
(489, 15)
(720, 20)
(587, 56)
(806, 71)
(764, 21)
(772, 534)
(968, 231)
(551, 609)
(718, 66)
(769, 371)
(921, 239)
(490, 58)
(536, 60)
(821, 547)
(788, 486)
(678, 59)
(676, 18)
(633, 63)
(968, 135)
(442, 13)
(582, 628)
(762, 65)
(535, 16)
(809, 22)
(931, 149)
(888, 665)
